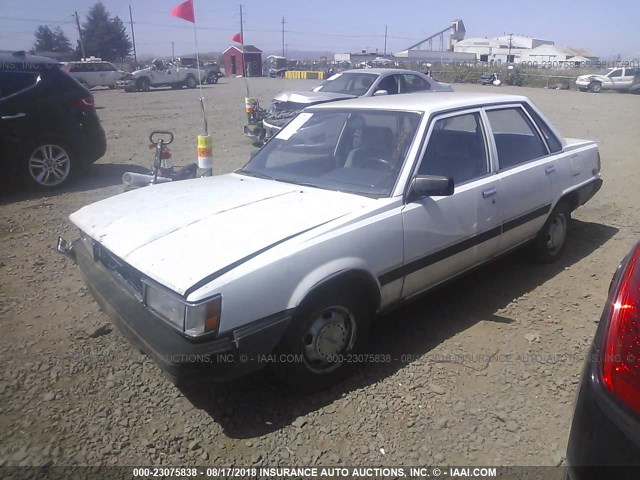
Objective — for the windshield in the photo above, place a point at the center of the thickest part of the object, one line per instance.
(355, 151)
(350, 83)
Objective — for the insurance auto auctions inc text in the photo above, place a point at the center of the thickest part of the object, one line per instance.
(375, 472)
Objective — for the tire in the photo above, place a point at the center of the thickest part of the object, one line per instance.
(191, 82)
(48, 165)
(330, 323)
(552, 237)
(144, 85)
(595, 87)
(213, 79)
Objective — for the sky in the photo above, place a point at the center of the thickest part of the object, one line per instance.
(604, 28)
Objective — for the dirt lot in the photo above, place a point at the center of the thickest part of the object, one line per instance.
(492, 361)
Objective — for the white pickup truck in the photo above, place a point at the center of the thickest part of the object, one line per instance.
(160, 74)
(349, 210)
(621, 79)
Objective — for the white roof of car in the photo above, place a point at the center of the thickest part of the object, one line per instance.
(379, 71)
(427, 102)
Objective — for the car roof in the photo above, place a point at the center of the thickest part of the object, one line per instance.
(25, 62)
(427, 102)
(380, 71)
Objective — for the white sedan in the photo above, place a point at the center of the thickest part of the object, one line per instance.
(349, 210)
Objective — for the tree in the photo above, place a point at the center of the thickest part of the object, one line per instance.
(103, 36)
(51, 41)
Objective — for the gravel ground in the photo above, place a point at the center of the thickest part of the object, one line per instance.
(485, 370)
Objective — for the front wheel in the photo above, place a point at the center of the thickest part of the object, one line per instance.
(191, 82)
(552, 237)
(144, 84)
(321, 346)
(595, 87)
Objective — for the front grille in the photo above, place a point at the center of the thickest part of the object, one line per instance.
(129, 274)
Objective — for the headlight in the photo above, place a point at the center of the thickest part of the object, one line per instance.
(193, 319)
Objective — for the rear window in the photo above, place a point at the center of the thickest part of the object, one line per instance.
(14, 82)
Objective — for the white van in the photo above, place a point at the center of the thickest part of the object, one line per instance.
(93, 72)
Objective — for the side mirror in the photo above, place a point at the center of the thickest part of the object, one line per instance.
(378, 93)
(430, 186)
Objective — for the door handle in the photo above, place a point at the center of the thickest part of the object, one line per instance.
(489, 191)
(549, 169)
(13, 117)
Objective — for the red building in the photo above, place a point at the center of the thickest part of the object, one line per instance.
(234, 60)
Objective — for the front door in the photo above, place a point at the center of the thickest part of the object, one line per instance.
(233, 65)
(444, 236)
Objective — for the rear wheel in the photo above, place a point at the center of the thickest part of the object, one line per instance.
(318, 348)
(48, 165)
(552, 238)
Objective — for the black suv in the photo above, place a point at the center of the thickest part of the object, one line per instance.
(49, 129)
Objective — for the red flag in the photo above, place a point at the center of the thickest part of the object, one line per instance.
(185, 11)
(237, 38)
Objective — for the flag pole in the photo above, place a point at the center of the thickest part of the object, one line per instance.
(244, 65)
(204, 113)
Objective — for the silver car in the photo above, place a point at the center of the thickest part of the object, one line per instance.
(346, 85)
(348, 211)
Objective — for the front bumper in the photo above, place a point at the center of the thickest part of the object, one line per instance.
(128, 84)
(183, 359)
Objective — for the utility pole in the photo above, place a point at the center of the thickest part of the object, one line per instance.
(283, 36)
(133, 37)
(509, 55)
(385, 40)
(84, 55)
(173, 51)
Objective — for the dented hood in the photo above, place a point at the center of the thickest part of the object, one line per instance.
(178, 233)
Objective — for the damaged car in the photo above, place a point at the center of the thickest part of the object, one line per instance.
(351, 209)
(346, 85)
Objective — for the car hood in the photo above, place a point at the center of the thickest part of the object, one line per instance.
(178, 233)
(310, 98)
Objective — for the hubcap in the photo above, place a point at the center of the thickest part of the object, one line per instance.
(331, 334)
(557, 233)
(49, 165)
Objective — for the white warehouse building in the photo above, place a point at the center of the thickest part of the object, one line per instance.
(519, 48)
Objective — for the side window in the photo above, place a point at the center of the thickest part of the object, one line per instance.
(552, 142)
(456, 149)
(616, 73)
(414, 83)
(516, 140)
(15, 82)
(390, 84)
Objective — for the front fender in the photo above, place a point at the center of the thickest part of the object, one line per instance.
(329, 271)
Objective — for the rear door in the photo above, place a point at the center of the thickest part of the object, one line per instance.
(444, 236)
(526, 173)
(627, 78)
